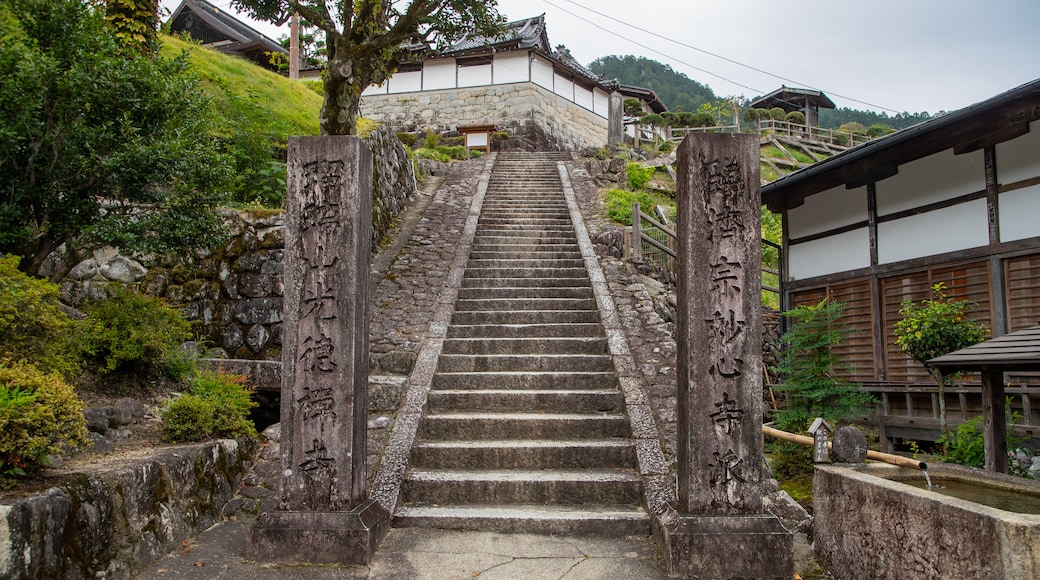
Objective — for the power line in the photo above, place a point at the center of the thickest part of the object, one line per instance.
(709, 53)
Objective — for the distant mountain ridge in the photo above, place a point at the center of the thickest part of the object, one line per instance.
(676, 90)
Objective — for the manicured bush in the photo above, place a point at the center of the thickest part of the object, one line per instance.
(666, 147)
(409, 139)
(454, 151)
(217, 404)
(130, 329)
(430, 153)
(795, 117)
(32, 325)
(638, 176)
(40, 415)
(432, 140)
(777, 114)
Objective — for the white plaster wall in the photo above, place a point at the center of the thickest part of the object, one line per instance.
(949, 229)
(405, 82)
(1020, 214)
(1019, 158)
(601, 102)
(827, 210)
(474, 76)
(563, 86)
(375, 90)
(931, 179)
(542, 73)
(839, 253)
(439, 74)
(511, 68)
(583, 97)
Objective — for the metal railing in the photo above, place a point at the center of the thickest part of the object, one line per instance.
(652, 241)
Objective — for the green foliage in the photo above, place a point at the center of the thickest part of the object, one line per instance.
(967, 446)
(97, 148)
(772, 230)
(777, 114)
(754, 115)
(638, 176)
(795, 117)
(434, 154)
(432, 140)
(40, 415)
(811, 385)
(666, 147)
(633, 108)
(217, 404)
(32, 325)
(790, 460)
(409, 139)
(936, 327)
(834, 118)
(675, 89)
(619, 202)
(134, 23)
(879, 129)
(130, 329)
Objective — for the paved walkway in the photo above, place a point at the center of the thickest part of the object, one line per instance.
(406, 289)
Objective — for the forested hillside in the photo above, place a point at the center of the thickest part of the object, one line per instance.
(679, 91)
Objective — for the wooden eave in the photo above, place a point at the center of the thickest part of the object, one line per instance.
(1018, 351)
(999, 119)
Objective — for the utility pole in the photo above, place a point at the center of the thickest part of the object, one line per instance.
(294, 46)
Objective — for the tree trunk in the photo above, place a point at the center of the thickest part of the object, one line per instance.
(944, 430)
(343, 86)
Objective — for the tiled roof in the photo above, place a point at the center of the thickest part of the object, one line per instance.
(240, 35)
(526, 33)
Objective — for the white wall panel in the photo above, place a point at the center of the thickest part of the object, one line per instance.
(375, 90)
(827, 210)
(405, 82)
(839, 253)
(1020, 213)
(583, 97)
(511, 68)
(1019, 158)
(563, 86)
(931, 179)
(439, 74)
(542, 73)
(949, 229)
(601, 103)
(474, 76)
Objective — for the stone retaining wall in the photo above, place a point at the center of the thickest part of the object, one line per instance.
(114, 524)
(233, 295)
(537, 119)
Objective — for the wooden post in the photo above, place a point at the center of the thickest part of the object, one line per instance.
(994, 421)
(294, 46)
(637, 231)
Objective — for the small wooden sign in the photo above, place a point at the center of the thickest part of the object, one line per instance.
(821, 431)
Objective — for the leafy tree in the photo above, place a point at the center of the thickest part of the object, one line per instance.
(933, 328)
(135, 23)
(675, 89)
(366, 41)
(312, 47)
(97, 147)
(809, 367)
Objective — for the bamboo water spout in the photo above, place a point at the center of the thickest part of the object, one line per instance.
(875, 455)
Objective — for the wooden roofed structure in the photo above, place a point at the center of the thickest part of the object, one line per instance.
(217, 29)
(807, 101)
(1017, 351)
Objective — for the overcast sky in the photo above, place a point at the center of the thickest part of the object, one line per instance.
(894, 55)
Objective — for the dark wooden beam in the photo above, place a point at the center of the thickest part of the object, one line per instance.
(994, 421)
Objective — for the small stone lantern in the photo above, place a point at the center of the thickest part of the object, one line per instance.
(821, 431)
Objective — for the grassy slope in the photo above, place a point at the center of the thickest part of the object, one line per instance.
(245, 93)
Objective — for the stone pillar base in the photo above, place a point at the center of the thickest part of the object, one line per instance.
(750, 546)
(319, 537)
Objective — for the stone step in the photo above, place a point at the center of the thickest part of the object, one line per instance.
(508, 223)
(526, 246)
(519, 236)
(506, 486)
(527, 254)
(510, 263)
(492, 426)
(548, 273)
(533, 519)
(537, 454)
(499, 304)
(511, 345)
(526, 381)
(528, 292)
(525, 317)
(525, 330)
(531, 400)
(533, 282)
(468, 363)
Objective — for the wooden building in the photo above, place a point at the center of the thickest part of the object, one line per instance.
(955, 199)
(807, 101)
(514, 83)
(216, 29)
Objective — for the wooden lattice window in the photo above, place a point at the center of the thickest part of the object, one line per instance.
(968, 282)
(856, 353)
(1023, 292)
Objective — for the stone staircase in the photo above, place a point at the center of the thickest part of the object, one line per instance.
(525, 427)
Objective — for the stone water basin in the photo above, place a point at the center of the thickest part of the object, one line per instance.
(875, 521)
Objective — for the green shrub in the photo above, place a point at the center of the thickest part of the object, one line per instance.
(216, 404)
(476, 153)
(795, 117)
(434, 154)
(619, 204)
(409, 139)
(32, 325)
(432, 140)
(500, 135)
(317, 86)
(879, 129)
(666, 147)
(454, 152)
(638, 176)
(39, 416)
(790, 460)
(777, 114)
(453, 141)
(130, 329)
